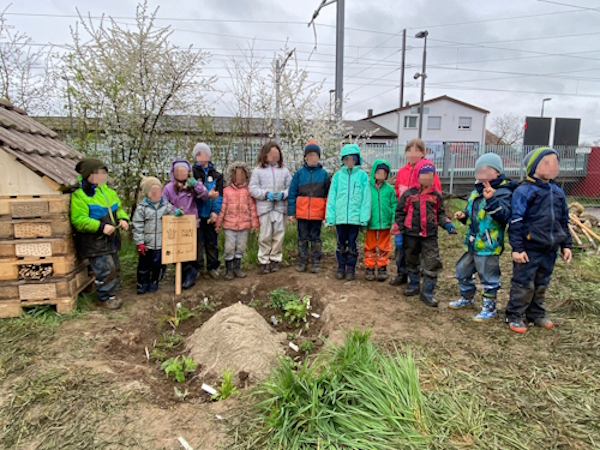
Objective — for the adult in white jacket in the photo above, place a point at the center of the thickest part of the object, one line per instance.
(269, 185)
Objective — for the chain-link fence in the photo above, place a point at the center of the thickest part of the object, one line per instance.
(579, 167)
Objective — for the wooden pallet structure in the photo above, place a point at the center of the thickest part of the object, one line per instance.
(38, 261)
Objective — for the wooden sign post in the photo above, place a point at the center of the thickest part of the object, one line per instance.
(178, 243)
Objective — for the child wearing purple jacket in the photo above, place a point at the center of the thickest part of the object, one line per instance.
(182, 192)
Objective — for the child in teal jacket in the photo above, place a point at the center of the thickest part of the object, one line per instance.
(349, 209)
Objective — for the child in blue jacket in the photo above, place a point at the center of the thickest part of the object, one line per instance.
(539, 228)
(486, 216)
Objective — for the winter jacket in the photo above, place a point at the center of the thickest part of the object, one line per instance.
(270, 179)
(420, 212)
(147, 222)
(404, 176)
(91, 209)
(540, 218)
(349, 199)
(238, 211)
(383, 201)
(308, 193)
(186, 198)
(210, 178)
(486, 219)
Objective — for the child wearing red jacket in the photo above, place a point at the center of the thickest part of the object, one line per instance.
(419, 213)
(415, 151)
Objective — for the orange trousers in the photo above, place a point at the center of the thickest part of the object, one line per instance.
(377, 240)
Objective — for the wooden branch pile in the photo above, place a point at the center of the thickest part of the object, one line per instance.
(35, 271)
(584, 227)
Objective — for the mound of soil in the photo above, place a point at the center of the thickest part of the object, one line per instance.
(239, 339)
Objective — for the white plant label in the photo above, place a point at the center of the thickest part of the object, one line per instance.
(315, 315)
(294, 347)
(207, 388)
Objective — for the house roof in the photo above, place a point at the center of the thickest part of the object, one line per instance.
(432, 100)
(36, 146)
(493, 139)
(226, 124)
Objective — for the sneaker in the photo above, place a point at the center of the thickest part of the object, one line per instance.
(265, 268)
(340, 274)
(399, 280)
(274, 266)
(112, 303)
(370, 275)
(543, 322)
(517, 325)
(350, 276)
(382, 274)
(485, 315)
(462, 303)
(301, 267)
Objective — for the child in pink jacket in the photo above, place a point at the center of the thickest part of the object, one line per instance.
(238, 215)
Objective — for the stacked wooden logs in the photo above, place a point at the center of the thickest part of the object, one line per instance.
(35, 271)
(584, 227)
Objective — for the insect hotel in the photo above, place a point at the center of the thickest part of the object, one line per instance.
(38, 262)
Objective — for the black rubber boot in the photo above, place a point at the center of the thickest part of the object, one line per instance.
(302, 256)
(427, 294)
(189, 277)
(143, 281)
(399, 280)
(370, 275)
(229, 270)
(382, 274)
(414, 288)
(237, 268)
(350, 274)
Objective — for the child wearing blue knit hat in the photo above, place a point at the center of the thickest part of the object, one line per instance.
(486, 216)
(539, 228)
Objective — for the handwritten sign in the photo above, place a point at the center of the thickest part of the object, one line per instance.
(178, 239)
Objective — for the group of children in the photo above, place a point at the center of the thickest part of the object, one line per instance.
(352, 201)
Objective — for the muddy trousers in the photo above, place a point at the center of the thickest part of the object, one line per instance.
(207, 243)
(378, 246)
(235, 244)
(150, 271)
(309, 231)
(107, 270)
(270, 238)
(346, 253)
(529, 284)
(422, 257)
(488, 269)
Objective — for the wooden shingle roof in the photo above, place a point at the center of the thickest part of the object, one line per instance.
(36, 146)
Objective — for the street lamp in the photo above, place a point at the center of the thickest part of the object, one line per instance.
(423, 75)
(544, 101)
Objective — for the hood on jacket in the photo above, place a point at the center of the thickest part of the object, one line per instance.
(231, 168)
(178, 160)
(351, 149)
(414, 181)
(378, 162)
(534, 157)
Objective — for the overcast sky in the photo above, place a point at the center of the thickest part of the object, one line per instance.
(504, 56)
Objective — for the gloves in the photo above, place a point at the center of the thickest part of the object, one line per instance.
(178, 212)
(270, 196)
(399, 240)
(450, 228)
(278, 196)
(192, 182)
(141, 249)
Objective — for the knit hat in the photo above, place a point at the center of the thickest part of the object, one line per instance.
(147, 183)
(534, 157)
(312, 146)
(491, 160)
(427, 168)
(183, 164)
(201, 147)
(88, 166)
(382, 166)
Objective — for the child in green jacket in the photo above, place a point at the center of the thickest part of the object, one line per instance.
(378, 244)
(348, 208)
(97, 215)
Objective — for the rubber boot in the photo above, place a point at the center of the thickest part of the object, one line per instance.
(370, 274)
(189, 277)
(302, 256)
(429, 284)
(399, 280)
(316, 255)
(488, 310)
(414, 287)
(237, 268)
(341, 272)
(143, 278)
(382, 274)
(153, 287)
(229, 270)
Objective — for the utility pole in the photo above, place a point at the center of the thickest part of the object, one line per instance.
(339, 51)
(403, 67)
(279, 67)
(422, 35)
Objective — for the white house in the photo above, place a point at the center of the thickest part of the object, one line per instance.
(446, 120)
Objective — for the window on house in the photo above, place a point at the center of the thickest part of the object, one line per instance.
(464, 123)
(410, 121)
(434, 123)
